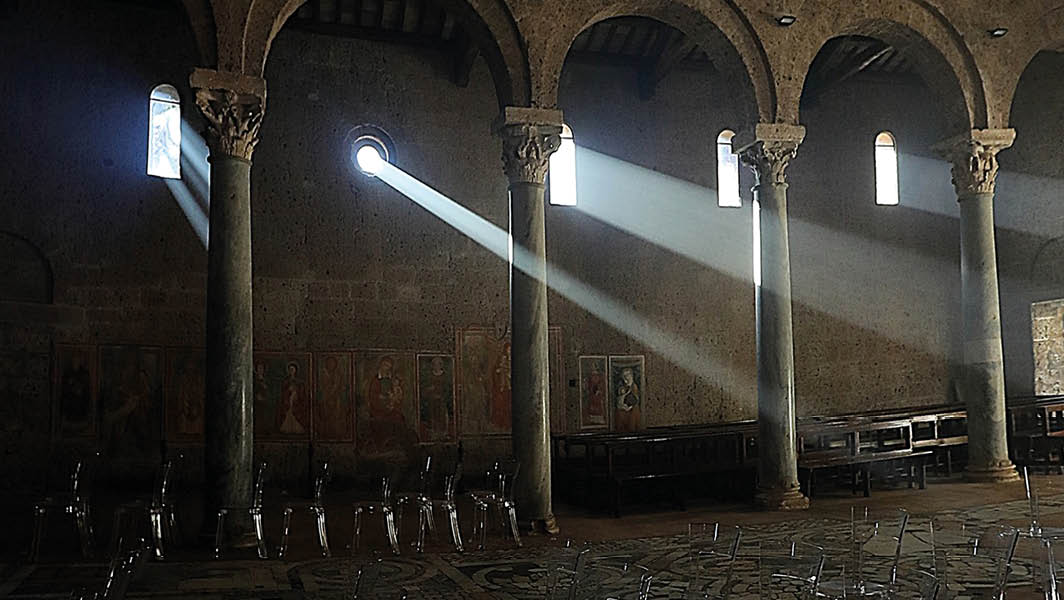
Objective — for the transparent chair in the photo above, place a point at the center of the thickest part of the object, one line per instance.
(916, 584)
(385, 506)
(315, 506)
(122, 570)
(870, 536)
(971, 563)
(564, 564)
(1035, 529)
(159, 512)
(498, 494)
(610, 577)
(255, 511)
(418, 496)
(75, 501)
(788, 570)
(428, 504)
(711, 551)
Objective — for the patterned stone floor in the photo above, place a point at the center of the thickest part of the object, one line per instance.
(508, 574)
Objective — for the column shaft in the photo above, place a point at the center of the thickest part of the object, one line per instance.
(778, 459)
(984, 376)
(529, 366)
(228, 410)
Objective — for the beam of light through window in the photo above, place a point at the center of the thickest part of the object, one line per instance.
(164, 133)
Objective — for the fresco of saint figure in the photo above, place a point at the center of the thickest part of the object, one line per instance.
(435, 397)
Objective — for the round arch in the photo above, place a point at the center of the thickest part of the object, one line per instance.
(703, 21)
(935, 48)
(239, 40)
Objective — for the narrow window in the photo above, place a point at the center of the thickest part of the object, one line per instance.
(563, 171)
(886, 170)
(727, 171)
(164, 133)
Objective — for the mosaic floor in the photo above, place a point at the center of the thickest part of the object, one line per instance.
(508, 574)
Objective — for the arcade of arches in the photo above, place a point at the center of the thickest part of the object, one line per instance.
(892, 254)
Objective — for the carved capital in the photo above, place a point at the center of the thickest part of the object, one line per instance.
(768, 149)
(233, 105)
(973, 159)
(529, 137)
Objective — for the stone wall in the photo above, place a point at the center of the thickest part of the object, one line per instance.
(341, 263)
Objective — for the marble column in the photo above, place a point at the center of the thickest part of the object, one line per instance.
(233, 106)
(768, 149)
(973, 156)
(529, 137)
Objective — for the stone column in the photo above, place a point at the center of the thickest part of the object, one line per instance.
(973, 156)
(233, 106)
(768, 149)
(529, 137)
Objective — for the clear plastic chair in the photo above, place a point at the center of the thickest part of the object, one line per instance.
(972, 563)
(316, 507)
(159, 512)
(498, 494)
(610, 577)
(75, 501)
(419, 498)
(428, 504)
(916, 584)
(385, 506)
(1035, 529)
(787, 569)
(563, 566)
(711, 550)
(255, 511)
(875, 536)
(122, 570)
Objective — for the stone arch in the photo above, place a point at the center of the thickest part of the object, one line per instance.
(25, 272)
(936, 49)
(237, 39)
(701, 20)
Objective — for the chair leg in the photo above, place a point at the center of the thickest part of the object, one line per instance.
(117, 529)
(422, 524)
(456, 533)
(155, 517)
(40, 514)
(285, 528)
(426, 506)
(390, 528)
(482, 529)
(260, 536)
(513, 524)
(219, 533)
(90, 531)
(172, 530)
(323, 534)
(84, 535)
(357, 537)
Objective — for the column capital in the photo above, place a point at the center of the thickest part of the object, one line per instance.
(529, 137)
(233, 104)
(768, 148)
(973, 159)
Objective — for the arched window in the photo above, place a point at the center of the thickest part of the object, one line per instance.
(164, 133)
(886, 170)
(563, 171)
(727, 171)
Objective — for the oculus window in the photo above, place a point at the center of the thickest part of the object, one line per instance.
(886, 170)
(562, 173)
(727, 171)
(164, 133)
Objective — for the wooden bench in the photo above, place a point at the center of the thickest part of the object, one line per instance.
(860, 465)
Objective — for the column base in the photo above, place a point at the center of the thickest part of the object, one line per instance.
(1000, 473)
(547, 525)
(780, 499)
